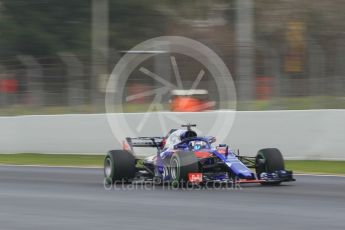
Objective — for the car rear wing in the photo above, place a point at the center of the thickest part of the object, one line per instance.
(153, 142)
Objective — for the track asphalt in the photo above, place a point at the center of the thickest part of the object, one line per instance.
(69, 198)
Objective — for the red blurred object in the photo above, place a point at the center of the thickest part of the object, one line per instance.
(164, 141)
(195, 177)
(264, 87)
(8, 86)
(190, 101)
(125, 146)
(202, 154)
(137, 89)
(186, 104)
(221, 150)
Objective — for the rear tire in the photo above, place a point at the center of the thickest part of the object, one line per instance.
(119, 166)
(181, 164)
(269, 160)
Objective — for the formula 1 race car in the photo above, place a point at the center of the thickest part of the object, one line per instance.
(183, 156)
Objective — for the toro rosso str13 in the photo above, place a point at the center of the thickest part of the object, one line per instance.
(183, 156)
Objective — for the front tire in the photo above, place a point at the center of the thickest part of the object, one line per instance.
(119, 165)
(181, 164)
(269, 160)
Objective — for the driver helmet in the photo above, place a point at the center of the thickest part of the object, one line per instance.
(197, 145)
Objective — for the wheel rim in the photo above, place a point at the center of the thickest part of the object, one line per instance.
(107, 167)
(260, 165)
(175, 169)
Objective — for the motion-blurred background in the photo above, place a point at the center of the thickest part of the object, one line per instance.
(56, 55)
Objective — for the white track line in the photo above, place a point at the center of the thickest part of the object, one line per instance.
(319, 175)
(50, 166)
(95, 167)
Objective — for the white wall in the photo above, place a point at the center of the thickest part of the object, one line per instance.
(298, 134)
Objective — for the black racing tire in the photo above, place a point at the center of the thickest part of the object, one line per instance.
(269, 160)
(181, 164)
(119, 166)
